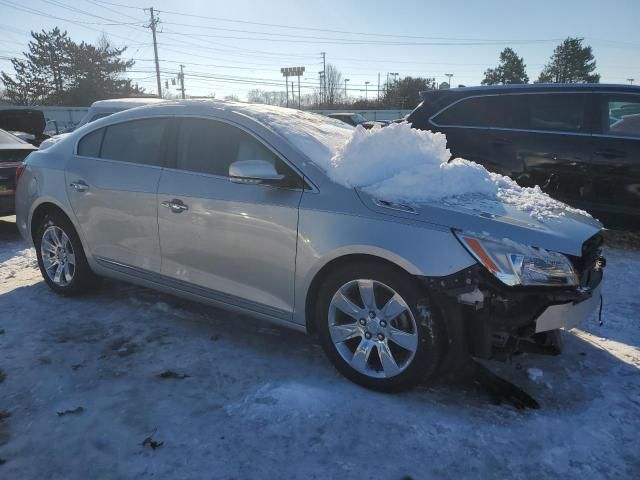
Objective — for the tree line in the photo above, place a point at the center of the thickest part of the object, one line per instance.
(59, 71)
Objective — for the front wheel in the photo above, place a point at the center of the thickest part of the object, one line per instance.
(378, 327)
(61, 258)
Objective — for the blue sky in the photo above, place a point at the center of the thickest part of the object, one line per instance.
(226, 56)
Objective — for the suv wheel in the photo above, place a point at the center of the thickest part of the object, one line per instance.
(61, 258)
(377, 327)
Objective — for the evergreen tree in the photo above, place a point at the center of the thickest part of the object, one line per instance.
(510, 70)
(58, 71)
(570, 63)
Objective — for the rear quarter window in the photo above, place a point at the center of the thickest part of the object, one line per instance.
(89, 145)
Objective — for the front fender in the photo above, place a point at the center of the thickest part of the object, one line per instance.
(325, 236)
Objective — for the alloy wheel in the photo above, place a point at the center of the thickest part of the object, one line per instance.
(58, 257)
(372, 328)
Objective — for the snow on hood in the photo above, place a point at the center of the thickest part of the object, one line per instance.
(404, 165)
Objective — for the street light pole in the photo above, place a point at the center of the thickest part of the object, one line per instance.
(449, 75)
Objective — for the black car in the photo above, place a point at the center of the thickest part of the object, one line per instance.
(27, 123)
(579, 142)
(12, 152)
(355, 119)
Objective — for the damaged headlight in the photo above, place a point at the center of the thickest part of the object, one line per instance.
(517, 264)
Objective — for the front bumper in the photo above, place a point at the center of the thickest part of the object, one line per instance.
(568, 315)
(491, 320)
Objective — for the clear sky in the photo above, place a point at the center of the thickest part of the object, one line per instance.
(232, 51)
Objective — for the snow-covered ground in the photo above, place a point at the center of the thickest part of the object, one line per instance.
(262, 402)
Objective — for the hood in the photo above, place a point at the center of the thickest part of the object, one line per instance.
(562, 231)
(23, 120)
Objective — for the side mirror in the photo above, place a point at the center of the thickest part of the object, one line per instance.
(254, 172)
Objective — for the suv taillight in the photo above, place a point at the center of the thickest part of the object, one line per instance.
(19, 170)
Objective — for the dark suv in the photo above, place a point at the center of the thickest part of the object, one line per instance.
(579, 142)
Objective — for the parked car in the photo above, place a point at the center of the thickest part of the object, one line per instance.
(579, 142)
(227, 204)
(355, 119)
(13, 151)
(101, 109)
(25, 123)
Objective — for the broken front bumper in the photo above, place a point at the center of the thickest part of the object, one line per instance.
(568, 315)
(488, 319)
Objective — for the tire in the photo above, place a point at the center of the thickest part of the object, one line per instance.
(417, 327)
(61, 258)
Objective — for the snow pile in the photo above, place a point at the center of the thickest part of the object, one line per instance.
(402, 164)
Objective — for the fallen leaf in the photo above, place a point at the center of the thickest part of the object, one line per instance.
(171, 374)
(70, 410)
(150, 442)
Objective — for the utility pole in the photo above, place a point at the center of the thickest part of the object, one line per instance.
(449, 75)
(286, 84)
(182, 80)
(299, 97)
(378, 87)
(345, 89)
(324, 74)
(152, 26)
(293, 94)
(366, 90)
(631, 80)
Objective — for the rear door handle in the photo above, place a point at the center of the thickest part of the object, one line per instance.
(176, 205)
(79, 186)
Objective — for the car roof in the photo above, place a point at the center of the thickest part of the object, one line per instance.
(529, 87)
(124, 103)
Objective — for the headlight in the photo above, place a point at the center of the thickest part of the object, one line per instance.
(517, 264)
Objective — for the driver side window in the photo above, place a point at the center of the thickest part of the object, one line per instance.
(210, 147)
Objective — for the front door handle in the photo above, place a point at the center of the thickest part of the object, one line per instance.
(175, 205)
(79, 186)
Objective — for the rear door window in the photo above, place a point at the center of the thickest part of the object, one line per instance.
(485, 112)
(558, 112)
(621, 115)
(136, 141)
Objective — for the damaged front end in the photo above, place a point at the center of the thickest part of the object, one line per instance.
(516, 298)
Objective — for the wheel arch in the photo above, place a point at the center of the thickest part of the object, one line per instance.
(41, 210)
(337, 262)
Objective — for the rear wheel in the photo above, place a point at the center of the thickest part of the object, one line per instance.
(377, 327)
(61, 258)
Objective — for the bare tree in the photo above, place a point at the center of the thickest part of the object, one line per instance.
(334, 86)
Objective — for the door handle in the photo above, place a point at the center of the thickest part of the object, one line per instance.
(79, 186)
(175, 205)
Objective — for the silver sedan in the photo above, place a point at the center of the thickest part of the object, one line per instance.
(227, 204)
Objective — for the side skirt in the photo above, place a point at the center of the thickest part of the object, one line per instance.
(194, 292)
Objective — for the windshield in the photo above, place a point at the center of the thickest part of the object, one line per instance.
(317, 136)
(357, 118)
